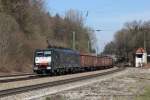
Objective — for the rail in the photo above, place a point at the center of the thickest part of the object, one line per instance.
(14, 91)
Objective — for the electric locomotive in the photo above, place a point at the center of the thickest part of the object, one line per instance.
(56, 60)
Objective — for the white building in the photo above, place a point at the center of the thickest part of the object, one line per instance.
(141, 57)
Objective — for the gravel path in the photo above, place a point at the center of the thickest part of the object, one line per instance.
(122, 87)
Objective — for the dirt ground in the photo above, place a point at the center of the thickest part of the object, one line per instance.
(125, 87)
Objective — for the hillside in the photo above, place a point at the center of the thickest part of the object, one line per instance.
(25, 26)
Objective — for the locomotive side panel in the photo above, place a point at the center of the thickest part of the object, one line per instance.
(65, 59)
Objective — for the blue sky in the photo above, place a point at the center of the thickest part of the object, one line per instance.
(107, 15)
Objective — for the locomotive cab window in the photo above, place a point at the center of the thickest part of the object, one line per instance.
(47, 53)
(39, 54)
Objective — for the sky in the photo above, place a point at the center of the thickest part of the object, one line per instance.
(106, 15)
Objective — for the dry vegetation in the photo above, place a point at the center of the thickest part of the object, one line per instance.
(129, 39)
(25, 26)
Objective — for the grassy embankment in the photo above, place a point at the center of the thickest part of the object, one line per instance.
(145, 95)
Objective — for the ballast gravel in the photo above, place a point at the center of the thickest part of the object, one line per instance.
(9, 85)
(35, 94)
(124, 85)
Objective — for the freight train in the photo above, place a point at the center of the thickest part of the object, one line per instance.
(60, 61)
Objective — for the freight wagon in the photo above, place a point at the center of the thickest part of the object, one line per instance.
(60, 61)
(93, 62)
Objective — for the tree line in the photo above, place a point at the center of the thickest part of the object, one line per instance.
(129, 39)
(25, 26)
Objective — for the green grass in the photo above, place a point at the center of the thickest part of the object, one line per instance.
(55, 97)
(145, 95)
(47, 98)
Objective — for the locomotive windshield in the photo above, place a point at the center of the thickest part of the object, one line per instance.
(47, 53)
(39, 54)
(43, 54)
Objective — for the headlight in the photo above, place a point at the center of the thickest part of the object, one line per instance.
(48, 67)
(35, 68)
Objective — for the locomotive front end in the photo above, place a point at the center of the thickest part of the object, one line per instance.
(42, 61)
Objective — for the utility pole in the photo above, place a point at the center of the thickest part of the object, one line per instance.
(96, 51)
(73, 40)
(89, 46)
(145, 41)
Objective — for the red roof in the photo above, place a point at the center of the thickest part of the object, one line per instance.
(140, 50)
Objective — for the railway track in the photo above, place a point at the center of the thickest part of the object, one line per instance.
(14, 91)
(15, 75)
(19, 79)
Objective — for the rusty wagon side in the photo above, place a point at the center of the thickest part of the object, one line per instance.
(91, 61)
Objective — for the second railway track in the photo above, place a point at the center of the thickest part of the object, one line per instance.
(14, 91)
(19, 79)
(15, 75)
